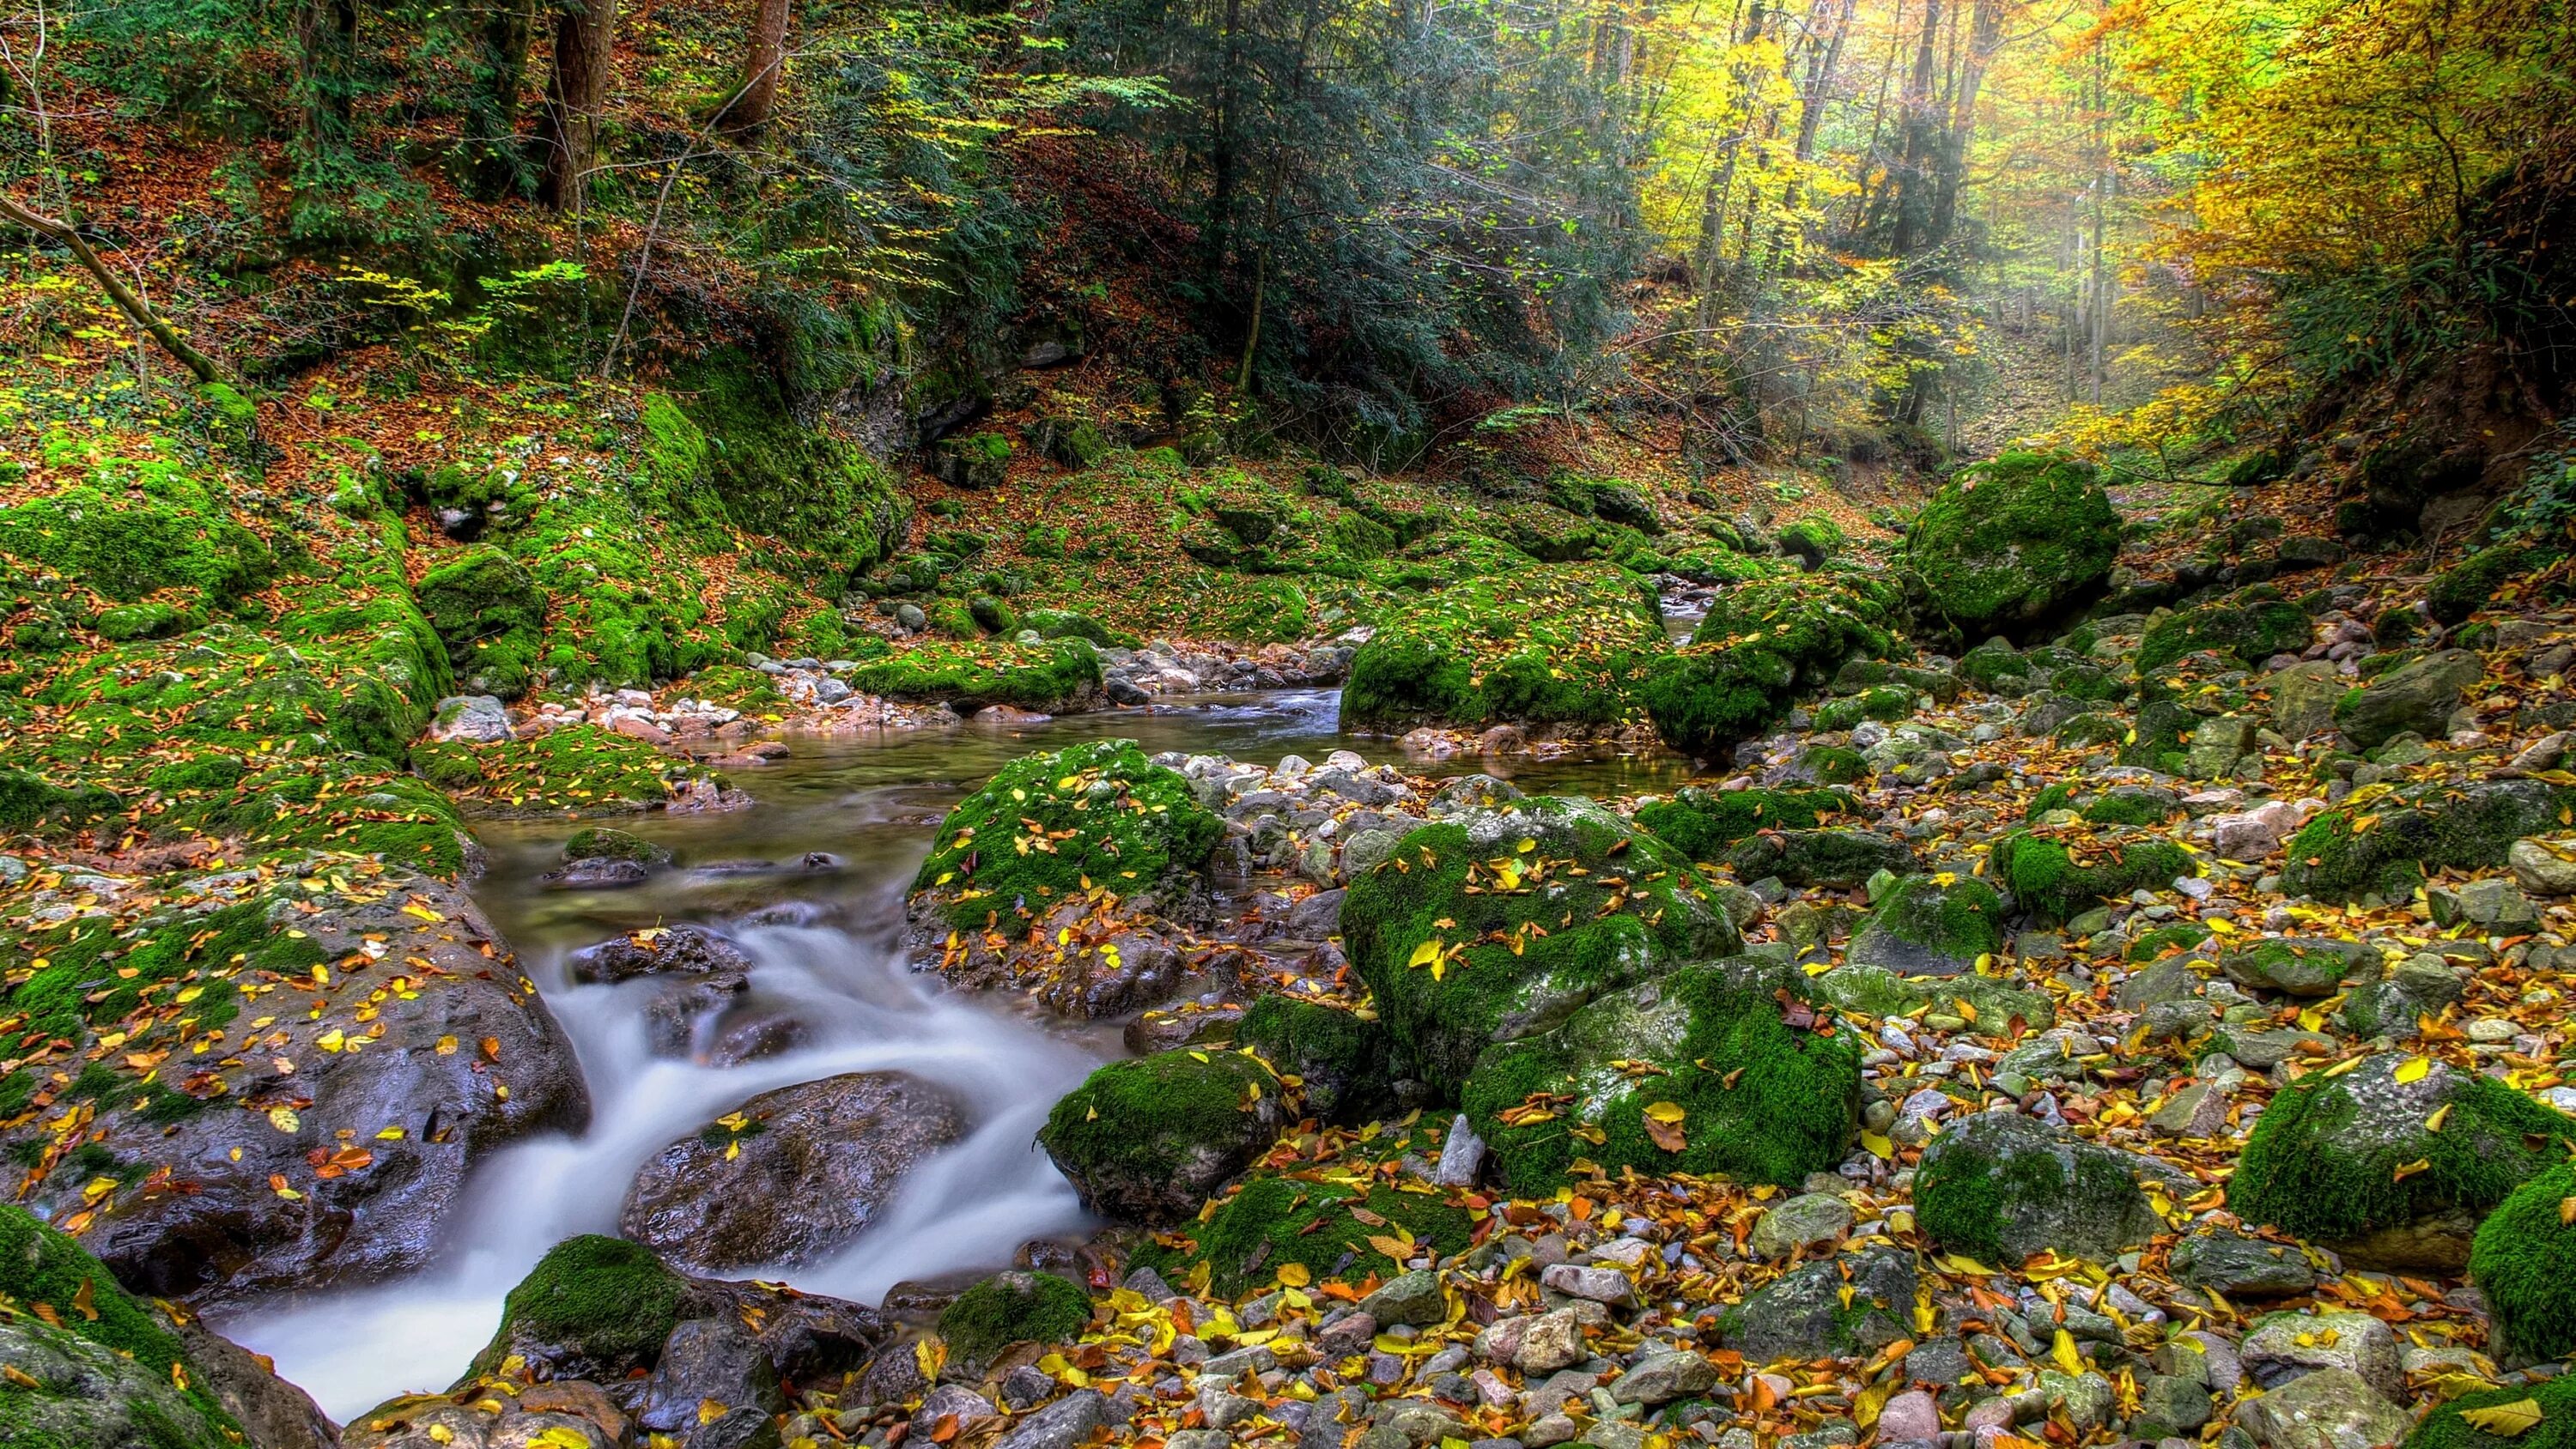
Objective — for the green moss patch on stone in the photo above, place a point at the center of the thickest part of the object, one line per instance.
(1273, 1220)
(595, 1299)
(1527, 912)
(39, 1266)
(137, 525)
(1536, 646)
(2250, 632)
(490, 616)
(2323, 1161)
(1338, 1055)
(1704, 823)
(2446, 1427)
(1760, 1100)
(1052, 678)
(605, 842)
(581, 768)
(1140, 1137)
(2050, 881)
(1106, 819)
(2012, 545)
(1762, 643)
(1010, 1308)
(2524, 1261)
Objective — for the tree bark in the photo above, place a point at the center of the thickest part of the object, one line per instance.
(492, 154)
(326, 61)
(1923, 133)
(585, 36)
(762, 67)
(1985, 37)
(136, 310)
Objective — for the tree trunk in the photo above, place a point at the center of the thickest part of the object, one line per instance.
(585, 37)
(136, 310)
(1923, 134)
(493, 160)
(758, 99)
(326, 63)
(1985, 37)
(1216, 240)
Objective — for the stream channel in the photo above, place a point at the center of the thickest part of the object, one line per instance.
(826, 947)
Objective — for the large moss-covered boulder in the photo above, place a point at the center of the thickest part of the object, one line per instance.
(1009, 1308)
(2250, 632)
(1805, 858)
(2524, 1260)
(1705, 823)
(137, 525)
(1499, 924)
(1762, 643)
(593, 1307)
(2385, 848)
(1149, 1140)
(1931, 925)
(1059, 676)
(2358, 1161)
(2418, 697)
(2012, 545)
(2001, 1186)
(1326, 1223)
(2055, 879)
(1539, 645)
(1054, 827)
(491, 616)
(88, 1366)
(1337, 1055)
(1720, 1068)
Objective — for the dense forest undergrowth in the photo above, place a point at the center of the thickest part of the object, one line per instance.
(2084, 496)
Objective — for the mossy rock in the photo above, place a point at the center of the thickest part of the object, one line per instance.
(2448, 1427)
(593, 1307)
(1058, 677)
(2465, 587)
(1539, 645)
(125, 623)
(1068, 624)
(137, 526)
(30, 802)
(2324, 1160)
(1704, 823)
(1569, 902)
(2418, 697)
(1338, 1055)
(1990, 1001)
(604, 842)
(1761, 644)
(2524, 1262)
(2335, 857)
(2000, 1187)
(1111, 819)
(1814, 539)
(1759, 1099)
(1009, 1308)
(1274, 1220)
(1931, 925)
(2049, 882)
(2249, 632)
(993, 615)
(73, 1311)
(1151, 1139)
(491, 617)
(810, 488)
(2012, 545)
(1805, 858)
(583, 767)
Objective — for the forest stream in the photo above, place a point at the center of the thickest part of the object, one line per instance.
(827, 949)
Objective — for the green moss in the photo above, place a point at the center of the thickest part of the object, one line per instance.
(1273, 1220)
(601, 842)
(603, 1299)
(1549, 903)
(1762, 1101)
(819, 494)
(1010, 1308)
(2465, 587)
(1149, 1118)
(1049, 678)
(29, 802)
(41, 1266)
(1705, 823)
(2295, 1175)
(491, 618)
(1991, 664)
(1960, 919)
(1835, 764)
(2524, 1262)
(2048, 883)
(2012, 545)
(1814, 538)
(1067, 624)
(1110, 820)
(2060, 796)
(1339, 1055)
(2250, 632)
(127, 622)
(1539, 645)
(1965, 1188)
(579, 767)
(2329, 859)
(135, 526)
(2446, 1427)
(2126, 808)
(1759, 645)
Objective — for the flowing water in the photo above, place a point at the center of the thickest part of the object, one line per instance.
(826, 947)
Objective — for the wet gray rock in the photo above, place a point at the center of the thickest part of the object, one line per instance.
(2049, 1188)
(2417, 698)
(711, 1361)
(2292, 1345)
(2239, 1266)
(1802, 1314)
(673, 1016)
(1060, 1425)
(2329, 1409)
(659, 951)
(807, 1171)
(1801, 1222)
